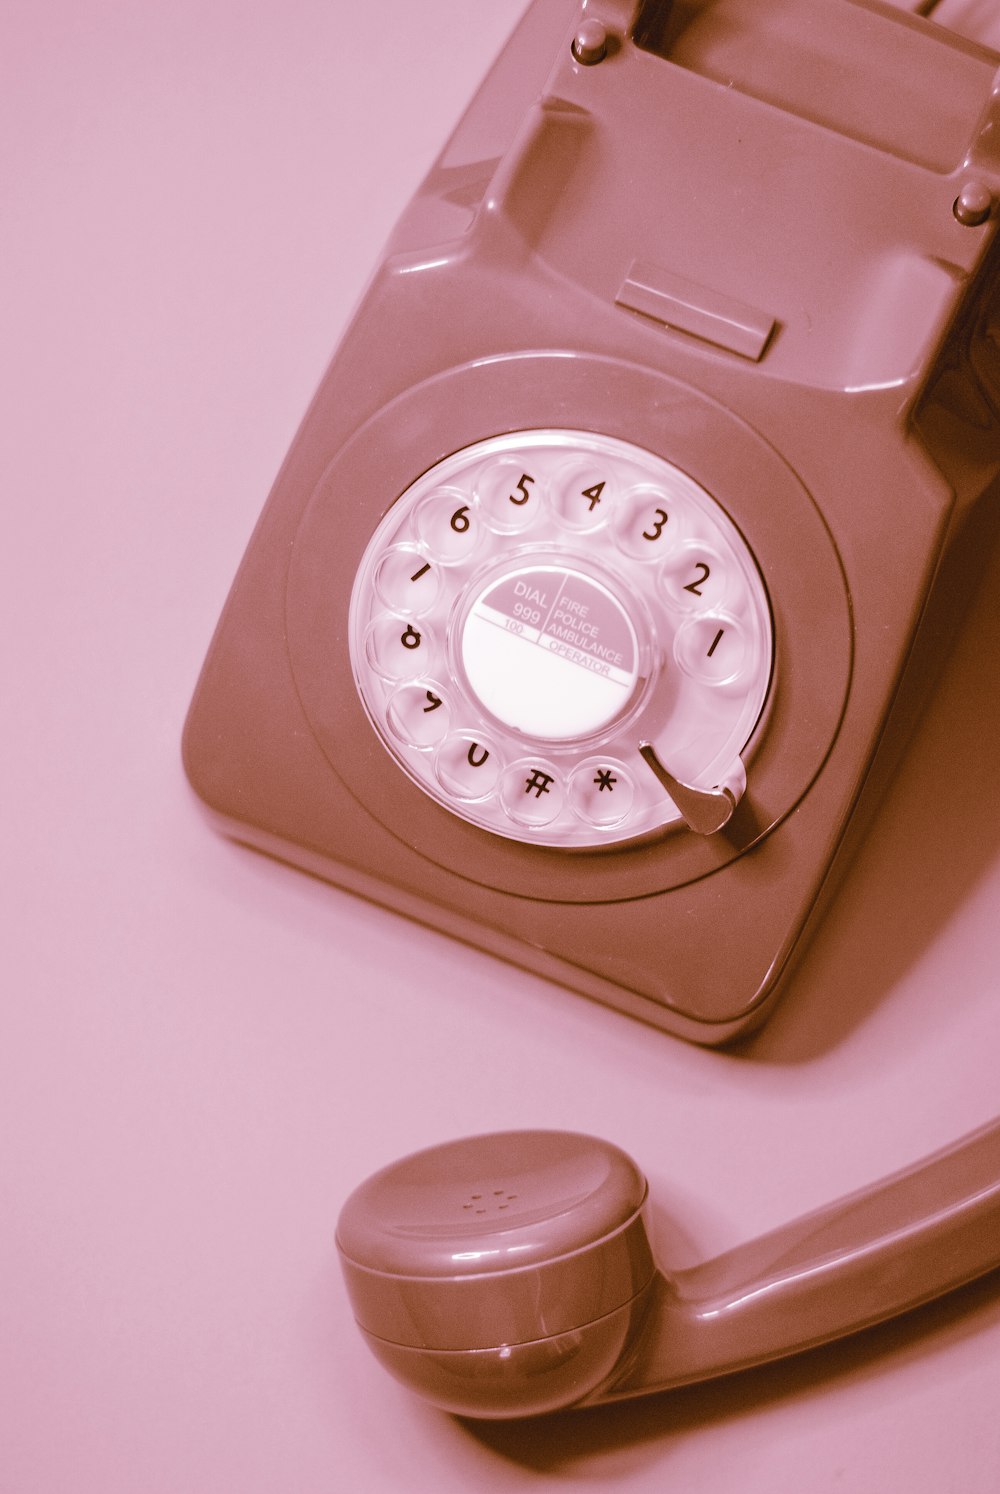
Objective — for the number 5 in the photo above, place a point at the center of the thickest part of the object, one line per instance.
(525, 495)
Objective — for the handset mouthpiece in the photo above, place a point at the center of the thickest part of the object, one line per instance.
(500, 1275)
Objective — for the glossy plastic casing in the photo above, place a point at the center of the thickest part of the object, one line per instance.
(733, 242)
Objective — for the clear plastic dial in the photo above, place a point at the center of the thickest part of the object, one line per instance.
(537, 606)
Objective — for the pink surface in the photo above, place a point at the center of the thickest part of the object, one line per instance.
(201, 1052)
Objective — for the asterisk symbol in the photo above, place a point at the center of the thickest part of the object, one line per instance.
(605, 780)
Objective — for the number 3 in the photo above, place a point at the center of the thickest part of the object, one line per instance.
(659, 521)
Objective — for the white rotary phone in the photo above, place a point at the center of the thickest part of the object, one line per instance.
(585, 604)
(576, 619)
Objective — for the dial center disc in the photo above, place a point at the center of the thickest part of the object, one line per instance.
(550, 651)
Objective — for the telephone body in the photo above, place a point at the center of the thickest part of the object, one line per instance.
(576, 616)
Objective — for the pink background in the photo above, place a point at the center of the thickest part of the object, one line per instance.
(201, 1051)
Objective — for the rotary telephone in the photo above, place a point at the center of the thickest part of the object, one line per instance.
(577, 616)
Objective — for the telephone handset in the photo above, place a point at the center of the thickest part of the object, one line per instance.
(576, 615)
(514, 1274)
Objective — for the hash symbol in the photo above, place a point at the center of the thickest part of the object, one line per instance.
(605, 780)
(538, 781)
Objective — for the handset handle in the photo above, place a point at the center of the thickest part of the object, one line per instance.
(864, 1258)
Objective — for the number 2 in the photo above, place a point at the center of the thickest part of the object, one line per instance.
(699, 581)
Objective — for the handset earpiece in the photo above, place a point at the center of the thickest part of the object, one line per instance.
(512, 1274)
